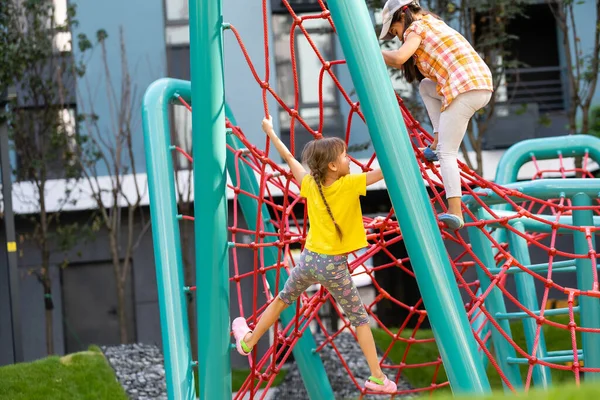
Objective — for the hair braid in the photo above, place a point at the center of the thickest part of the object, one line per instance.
(337, 227)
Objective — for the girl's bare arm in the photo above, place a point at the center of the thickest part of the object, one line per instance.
(295, 166)
(374, 176)
(397, 58)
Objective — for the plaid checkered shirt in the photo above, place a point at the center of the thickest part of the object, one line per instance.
(447, 58)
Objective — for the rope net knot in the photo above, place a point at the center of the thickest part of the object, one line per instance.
(529, 240)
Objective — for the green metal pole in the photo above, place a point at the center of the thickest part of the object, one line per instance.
(527, 295)
(423, 240)
(494, 303)
(308, 361)
(540, 189)
(543, 149)
(589, 306)
(210, 204)
(165, 233)
(533, 225)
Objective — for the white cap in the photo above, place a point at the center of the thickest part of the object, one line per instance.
(389, 9)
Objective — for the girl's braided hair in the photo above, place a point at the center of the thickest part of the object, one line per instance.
(317, 155)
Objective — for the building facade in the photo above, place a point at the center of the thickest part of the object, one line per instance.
(156, 36)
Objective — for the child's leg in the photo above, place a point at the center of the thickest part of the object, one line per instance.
(367, 345)
(267, 319)
(433, 104)
(453, 125)
(299, 280)
(334, 275)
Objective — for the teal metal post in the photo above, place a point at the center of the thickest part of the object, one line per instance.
(423, 240)
(541, 189)
(543, 149)
(210, 204)
(166, 239)
(307, 359)
(589, 306)
(527, 295)
(494, 302)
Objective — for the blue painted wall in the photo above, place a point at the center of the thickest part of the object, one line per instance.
(144, 34)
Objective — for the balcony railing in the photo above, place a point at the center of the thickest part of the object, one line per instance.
(541, 85)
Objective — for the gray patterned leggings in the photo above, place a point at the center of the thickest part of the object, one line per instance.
(333, 274)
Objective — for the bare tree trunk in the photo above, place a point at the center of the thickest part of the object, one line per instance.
(48, 303)
(479, 158)
(49, 307)
(121, 314)
(585, 121)
(121, 311)
(49, 332)
(572, 75)
(465, 153)
(45, 278)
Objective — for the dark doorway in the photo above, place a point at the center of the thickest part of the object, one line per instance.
(90, 306)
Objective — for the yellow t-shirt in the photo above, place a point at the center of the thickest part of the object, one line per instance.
(343, 199)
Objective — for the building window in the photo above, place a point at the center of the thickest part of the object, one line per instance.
(177, 10)
(299, 6)
(538, 78)
(531, 95)
(62, 40)
(177, 25)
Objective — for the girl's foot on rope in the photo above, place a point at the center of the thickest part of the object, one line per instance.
(429, 154)
(452, 221)
(381, 385)
(240, 330)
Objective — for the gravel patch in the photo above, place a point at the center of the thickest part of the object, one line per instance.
(139, 369)
(292, 387)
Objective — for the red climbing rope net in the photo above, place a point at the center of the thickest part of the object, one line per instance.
(407, 348)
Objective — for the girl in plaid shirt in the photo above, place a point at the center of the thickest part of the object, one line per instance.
(455, 84)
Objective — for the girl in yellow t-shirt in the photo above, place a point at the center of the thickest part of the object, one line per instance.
(336, 228)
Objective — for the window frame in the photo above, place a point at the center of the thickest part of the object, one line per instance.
(277, 6)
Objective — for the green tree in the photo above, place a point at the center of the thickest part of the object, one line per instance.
(110, 145)
(35, 58)
(484, 23)
(582, 65)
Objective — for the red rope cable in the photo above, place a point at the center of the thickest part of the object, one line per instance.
(278, 192)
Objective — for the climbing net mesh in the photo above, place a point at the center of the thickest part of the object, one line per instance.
(407, 348)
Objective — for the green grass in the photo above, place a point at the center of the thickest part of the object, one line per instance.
(87, 375)
(80, 376)
(556, 339)
(238, 376)
(562, 392)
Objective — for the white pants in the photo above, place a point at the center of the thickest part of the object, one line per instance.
(451, 126)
